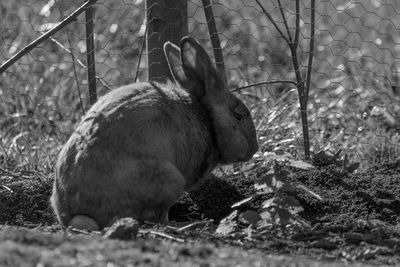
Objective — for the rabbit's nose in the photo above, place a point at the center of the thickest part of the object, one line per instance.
(253, 147)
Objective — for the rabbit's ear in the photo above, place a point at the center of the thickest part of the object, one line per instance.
(198, 67)
(173, 56)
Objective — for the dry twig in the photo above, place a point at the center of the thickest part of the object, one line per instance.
(191, 225)
(156, 233)
(46, 35)
(79, 62)
(76, 76)
(302, 86)
(262, 83)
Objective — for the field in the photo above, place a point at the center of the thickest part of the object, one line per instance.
(353, 106)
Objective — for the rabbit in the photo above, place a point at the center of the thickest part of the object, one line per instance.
(140, 146)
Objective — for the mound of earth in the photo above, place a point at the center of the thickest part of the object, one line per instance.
(373, 194)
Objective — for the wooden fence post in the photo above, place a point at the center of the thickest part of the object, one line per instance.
(167, 21)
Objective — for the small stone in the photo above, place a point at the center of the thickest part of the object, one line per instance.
(124, 229)
(323, 243)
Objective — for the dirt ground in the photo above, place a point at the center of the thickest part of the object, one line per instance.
(357, 223)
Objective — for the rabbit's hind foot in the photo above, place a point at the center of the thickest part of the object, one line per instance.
(84, 222)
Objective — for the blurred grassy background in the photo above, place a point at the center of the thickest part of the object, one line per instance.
(354, 97)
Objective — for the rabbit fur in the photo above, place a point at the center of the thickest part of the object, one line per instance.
(140, 146)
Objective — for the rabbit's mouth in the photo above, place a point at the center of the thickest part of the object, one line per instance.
(235, 158)
(252, 149)
(241, 152)
(247, 157)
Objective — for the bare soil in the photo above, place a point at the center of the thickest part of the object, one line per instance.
(356, 224)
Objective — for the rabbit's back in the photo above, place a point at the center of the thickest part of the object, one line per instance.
(143, 130)
(142, 119)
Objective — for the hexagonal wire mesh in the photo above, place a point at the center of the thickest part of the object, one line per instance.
(354, 95)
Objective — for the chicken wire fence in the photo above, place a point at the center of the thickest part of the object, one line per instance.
(354, 94)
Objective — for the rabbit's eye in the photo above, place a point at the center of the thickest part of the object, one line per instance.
(238, 116)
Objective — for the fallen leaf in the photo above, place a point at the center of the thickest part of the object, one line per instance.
(124, 229)
(227, 225)
(353, 167)
(301, 165)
